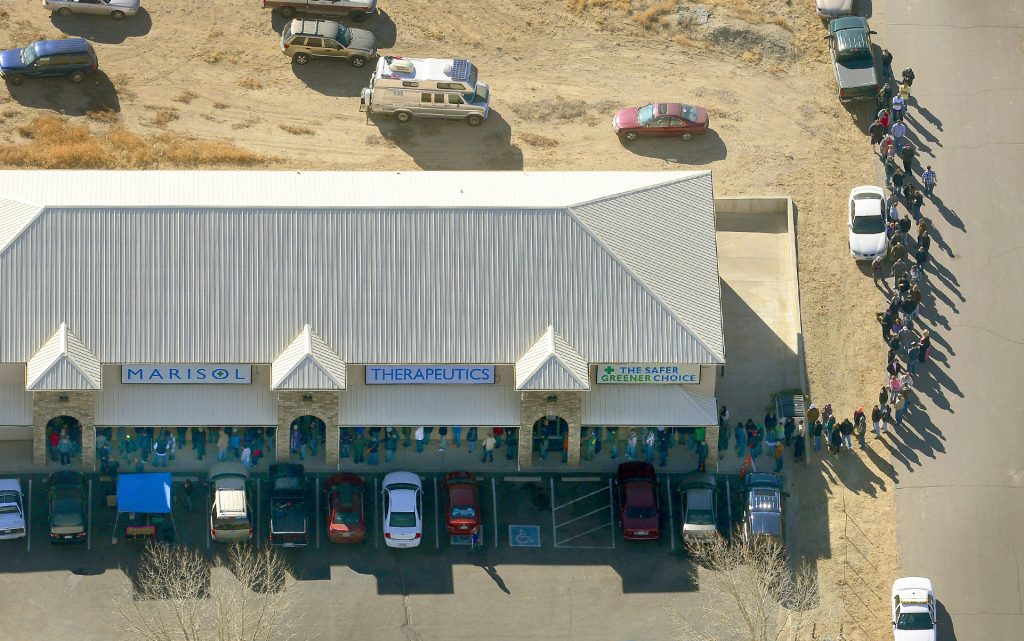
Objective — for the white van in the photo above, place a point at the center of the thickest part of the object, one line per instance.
(427, 88)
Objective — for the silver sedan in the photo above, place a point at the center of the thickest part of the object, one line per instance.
(116, 9)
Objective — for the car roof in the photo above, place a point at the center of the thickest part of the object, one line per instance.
(402, 500)
(766, 523)
(699, 499)
(636, 470)
(698, 480)
(867, 207)
(230, 468)
(402, 477)
(67, 45)
(325, 28)
(10, 485)
(639, 495)
(762, 479)
(848, 22)
(344, 478)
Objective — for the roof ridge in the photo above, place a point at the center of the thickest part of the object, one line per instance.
(14, 225)
(636, 190)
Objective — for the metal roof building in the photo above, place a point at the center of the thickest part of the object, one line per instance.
(307, 277)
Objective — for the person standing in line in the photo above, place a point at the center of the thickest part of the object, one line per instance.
(755, 438)
(741, 439)
(407, 435)
(770, 440)
(54, 443)
(246, 457)
(877, 131)
(614, 442)
(421, 439)
(160, 452)
(779, 454)
(861, 429)
(172, 444)
(631, 443)
(457, 435)
(358, 446)
(390, 444)
(373, 447)
(907, 154)
(702, 456)
(799, 442)
(442, 433)
(235, 443)
(199, 442)
(471, 438)
(663, 449)
(886, 65)
(345, 441)
(488, 448)
(908, 76)
(929, 179)
(649, 445)
(427, 431)
(723, 418)
(511, 443)
(898, 108)
(145, 443)
(723, 440)
(222, 445)
(64, 448)
(876, 421)
(899, 131)
(182, 439)
(898, 180)
(819, 429)
(883, 117)
(498, 433)
(789, 428)
(878, 269)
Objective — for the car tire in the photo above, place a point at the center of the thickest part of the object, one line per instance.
(77, 77)
(64, 12)
(287, 12)
(357, 16)
(300, 58)
(16, 80)
(403, 116)
(630, 136)
(117, 15)
(686, 135)
(474, 120)
(357, 61)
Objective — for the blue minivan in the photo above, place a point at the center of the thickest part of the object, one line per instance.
(71, 58)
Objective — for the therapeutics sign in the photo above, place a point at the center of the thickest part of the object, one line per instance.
(429, 374)
(187, 374)
(648, 374)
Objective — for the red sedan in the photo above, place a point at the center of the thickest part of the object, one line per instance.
(346, 518)
(462, 504)
(661, 119)
(638, 501)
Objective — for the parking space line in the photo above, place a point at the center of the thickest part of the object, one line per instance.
(380, 514)
(671, 516)
(88, 520)
(494, 507)
(728, 505)
(580, 498)
(554, 527)
(316, 513)
(522, 479)
(593, 547)
(28, 521)
(437, 528)
(580, 479)
(611, 511)
(591, 513)
(259, 514)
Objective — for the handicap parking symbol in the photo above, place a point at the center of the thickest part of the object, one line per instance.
(524, 536)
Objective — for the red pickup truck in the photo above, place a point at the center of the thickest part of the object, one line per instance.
(357, 10)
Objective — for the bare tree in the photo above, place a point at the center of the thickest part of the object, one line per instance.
(178, 595)
(750, 592)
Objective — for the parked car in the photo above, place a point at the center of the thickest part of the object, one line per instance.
(403, 510)
(461, 503)
(305, 39)
(346, 513)
(116, 9)
(700, 506)
(762, 510)
(357, 10)
(866, 222)
(12, 510)
(913, 609)
(661, 119)
(853, 58)
(288, 505)
(829, 9)
(71, 58)
(230, 515)
(66, 494)
(638, 501)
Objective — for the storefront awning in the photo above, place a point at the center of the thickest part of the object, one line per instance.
(429, 405)
(668, 405)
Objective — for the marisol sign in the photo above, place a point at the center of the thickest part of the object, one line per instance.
(648, 374)
(429, 374)
(187, 374)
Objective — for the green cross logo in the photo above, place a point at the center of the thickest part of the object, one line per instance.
(609, 370)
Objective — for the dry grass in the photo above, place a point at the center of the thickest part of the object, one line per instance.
(691, 43)
(379, 141)
(751, 56)
(56, 143)
(105, 115)
(297, 130)
(186, 96)
(579, 6)
(561, 108)
(220, 105)
(250, 83)
(212, 57)
(121, 84)
(536, 140)
(653, 14)
(163, 117)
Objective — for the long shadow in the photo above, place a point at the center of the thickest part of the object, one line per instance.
(103, 28)
(95, 93)
(945, 630)
(699, 151)
(913, 136)
(928, 115)
(919, 133)
(951, 216)
(450, 144)
(842, 466)
(382, 26)
(940, 241)
(336, 78)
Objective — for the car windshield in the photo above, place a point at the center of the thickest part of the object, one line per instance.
(401, 486)
(28, 55)
(645, 114)
(914, 621)
(700, 517)
(648, 512)
(344, 35)
(288, 483)
(67, 512)
(403, 519)
(868, 225)
(231, 523)
(465, 512)
(346, 516)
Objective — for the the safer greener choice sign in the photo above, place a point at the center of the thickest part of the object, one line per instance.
(648, 373)
(187, 374)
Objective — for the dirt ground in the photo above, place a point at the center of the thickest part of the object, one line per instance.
(202, 83)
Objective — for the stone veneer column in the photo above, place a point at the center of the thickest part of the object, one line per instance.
(535, 405)
(80, 405)
(711, 438)
(323, 404)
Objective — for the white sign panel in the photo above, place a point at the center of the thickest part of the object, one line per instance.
(429, 374)
(186, 374)
(648, 374)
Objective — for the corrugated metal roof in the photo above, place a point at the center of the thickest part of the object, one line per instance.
(14, 217)
(552, 364)
(63, 363)
(668, 405)
(419, 283)
(308, 363)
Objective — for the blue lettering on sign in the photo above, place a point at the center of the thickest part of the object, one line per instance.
(179, 374)
(173, 375)
(155, 374)
(429, 374)
(133, 373)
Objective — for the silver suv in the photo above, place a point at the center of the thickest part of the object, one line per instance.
(303, 39)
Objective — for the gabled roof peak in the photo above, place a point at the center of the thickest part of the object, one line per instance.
(552, 364)
(63, 363)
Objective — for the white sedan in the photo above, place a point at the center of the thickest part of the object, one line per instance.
(403, 510)
(913, 609)
(116, 9)
(12, 509)
(867, 222)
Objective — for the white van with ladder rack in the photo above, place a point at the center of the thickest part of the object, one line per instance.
(427, 88)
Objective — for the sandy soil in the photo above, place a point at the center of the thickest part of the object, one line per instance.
(212, 69)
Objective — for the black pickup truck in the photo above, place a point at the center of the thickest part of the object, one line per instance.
(288, 523)
(849, 41)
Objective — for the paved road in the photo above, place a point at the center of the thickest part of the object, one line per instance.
(959, 502)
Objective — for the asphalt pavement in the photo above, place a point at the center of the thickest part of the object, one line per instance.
(959, 500)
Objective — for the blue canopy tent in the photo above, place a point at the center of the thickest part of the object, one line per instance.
(143, 494)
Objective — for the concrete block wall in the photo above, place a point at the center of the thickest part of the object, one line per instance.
(291, 404)
(78, 404)
(534, 406)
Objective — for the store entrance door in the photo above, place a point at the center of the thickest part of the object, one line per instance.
(308, 439)
(549, 435)
(64, 439)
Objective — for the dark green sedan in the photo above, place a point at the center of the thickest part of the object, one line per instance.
(67, 501)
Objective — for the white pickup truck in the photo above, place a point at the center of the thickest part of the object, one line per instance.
(357, 10)
(913, 609)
